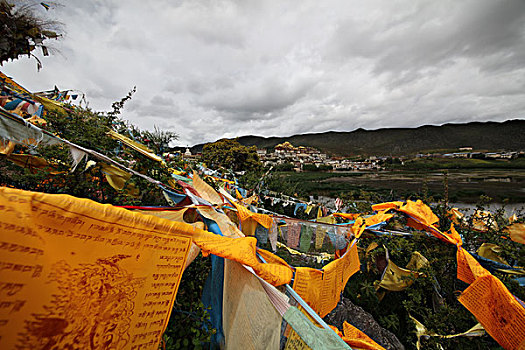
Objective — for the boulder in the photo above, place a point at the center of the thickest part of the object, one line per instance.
(351, 313)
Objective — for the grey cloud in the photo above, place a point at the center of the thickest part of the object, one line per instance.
(207, 69)
(435, 34)
(259, 97)
(162, 100)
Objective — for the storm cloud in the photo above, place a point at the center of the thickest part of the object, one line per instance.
(212, 69)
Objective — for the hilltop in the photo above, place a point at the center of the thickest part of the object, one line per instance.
(492, 136)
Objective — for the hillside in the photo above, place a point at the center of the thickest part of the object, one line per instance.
(508, 135)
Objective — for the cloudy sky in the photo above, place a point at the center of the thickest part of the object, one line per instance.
(212, 69)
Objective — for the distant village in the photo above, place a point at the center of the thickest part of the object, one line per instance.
(303, 158)
(466, 152)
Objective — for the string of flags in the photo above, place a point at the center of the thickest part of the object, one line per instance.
(227, 224)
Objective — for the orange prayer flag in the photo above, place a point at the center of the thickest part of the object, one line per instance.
(487, 298)
(454, 236)
(349, 216)
(468, 268)
(245, 214)
(242, 250)
(308, 283)
(357, 339)
(321, 289)
(420, 211)
(387, 206)
(382, 216)
(359, 227)
(361, 223)
(498, 311)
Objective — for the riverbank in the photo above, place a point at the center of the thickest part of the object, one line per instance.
(463, 185)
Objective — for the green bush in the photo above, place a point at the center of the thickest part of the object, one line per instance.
(284, 167)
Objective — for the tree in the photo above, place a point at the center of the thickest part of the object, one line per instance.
(88, 129)
(23, 31)
(159, 140)
(284, 167)
(230, 154)
(310, 167)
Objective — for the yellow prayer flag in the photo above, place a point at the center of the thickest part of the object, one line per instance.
(484, 221)
(73, 265)
(397, 279)
(206, 191)
(116, 177)
(6, 147)
(33, 163)
(320, 234)
(417, 261)
(142, 149)
(517, 232)
(295, 342)
(491, 251)
(308, 209)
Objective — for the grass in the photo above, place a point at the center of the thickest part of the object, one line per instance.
(459, 163)
(465, 185)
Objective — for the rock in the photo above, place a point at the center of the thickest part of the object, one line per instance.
(347, 311)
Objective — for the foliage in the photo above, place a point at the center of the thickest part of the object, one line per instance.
(159, 140)
(118, 105)
(465, 187)
(281, 184)
(310, 167)
(23, 30)
(432, 298)
(284, 167)
(460, 163)
(313, 167)
(251, 179)
(88, 129)
(391, 161)
(230, 154)
(82, 126)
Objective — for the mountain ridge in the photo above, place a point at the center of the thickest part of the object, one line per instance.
(490, 136)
